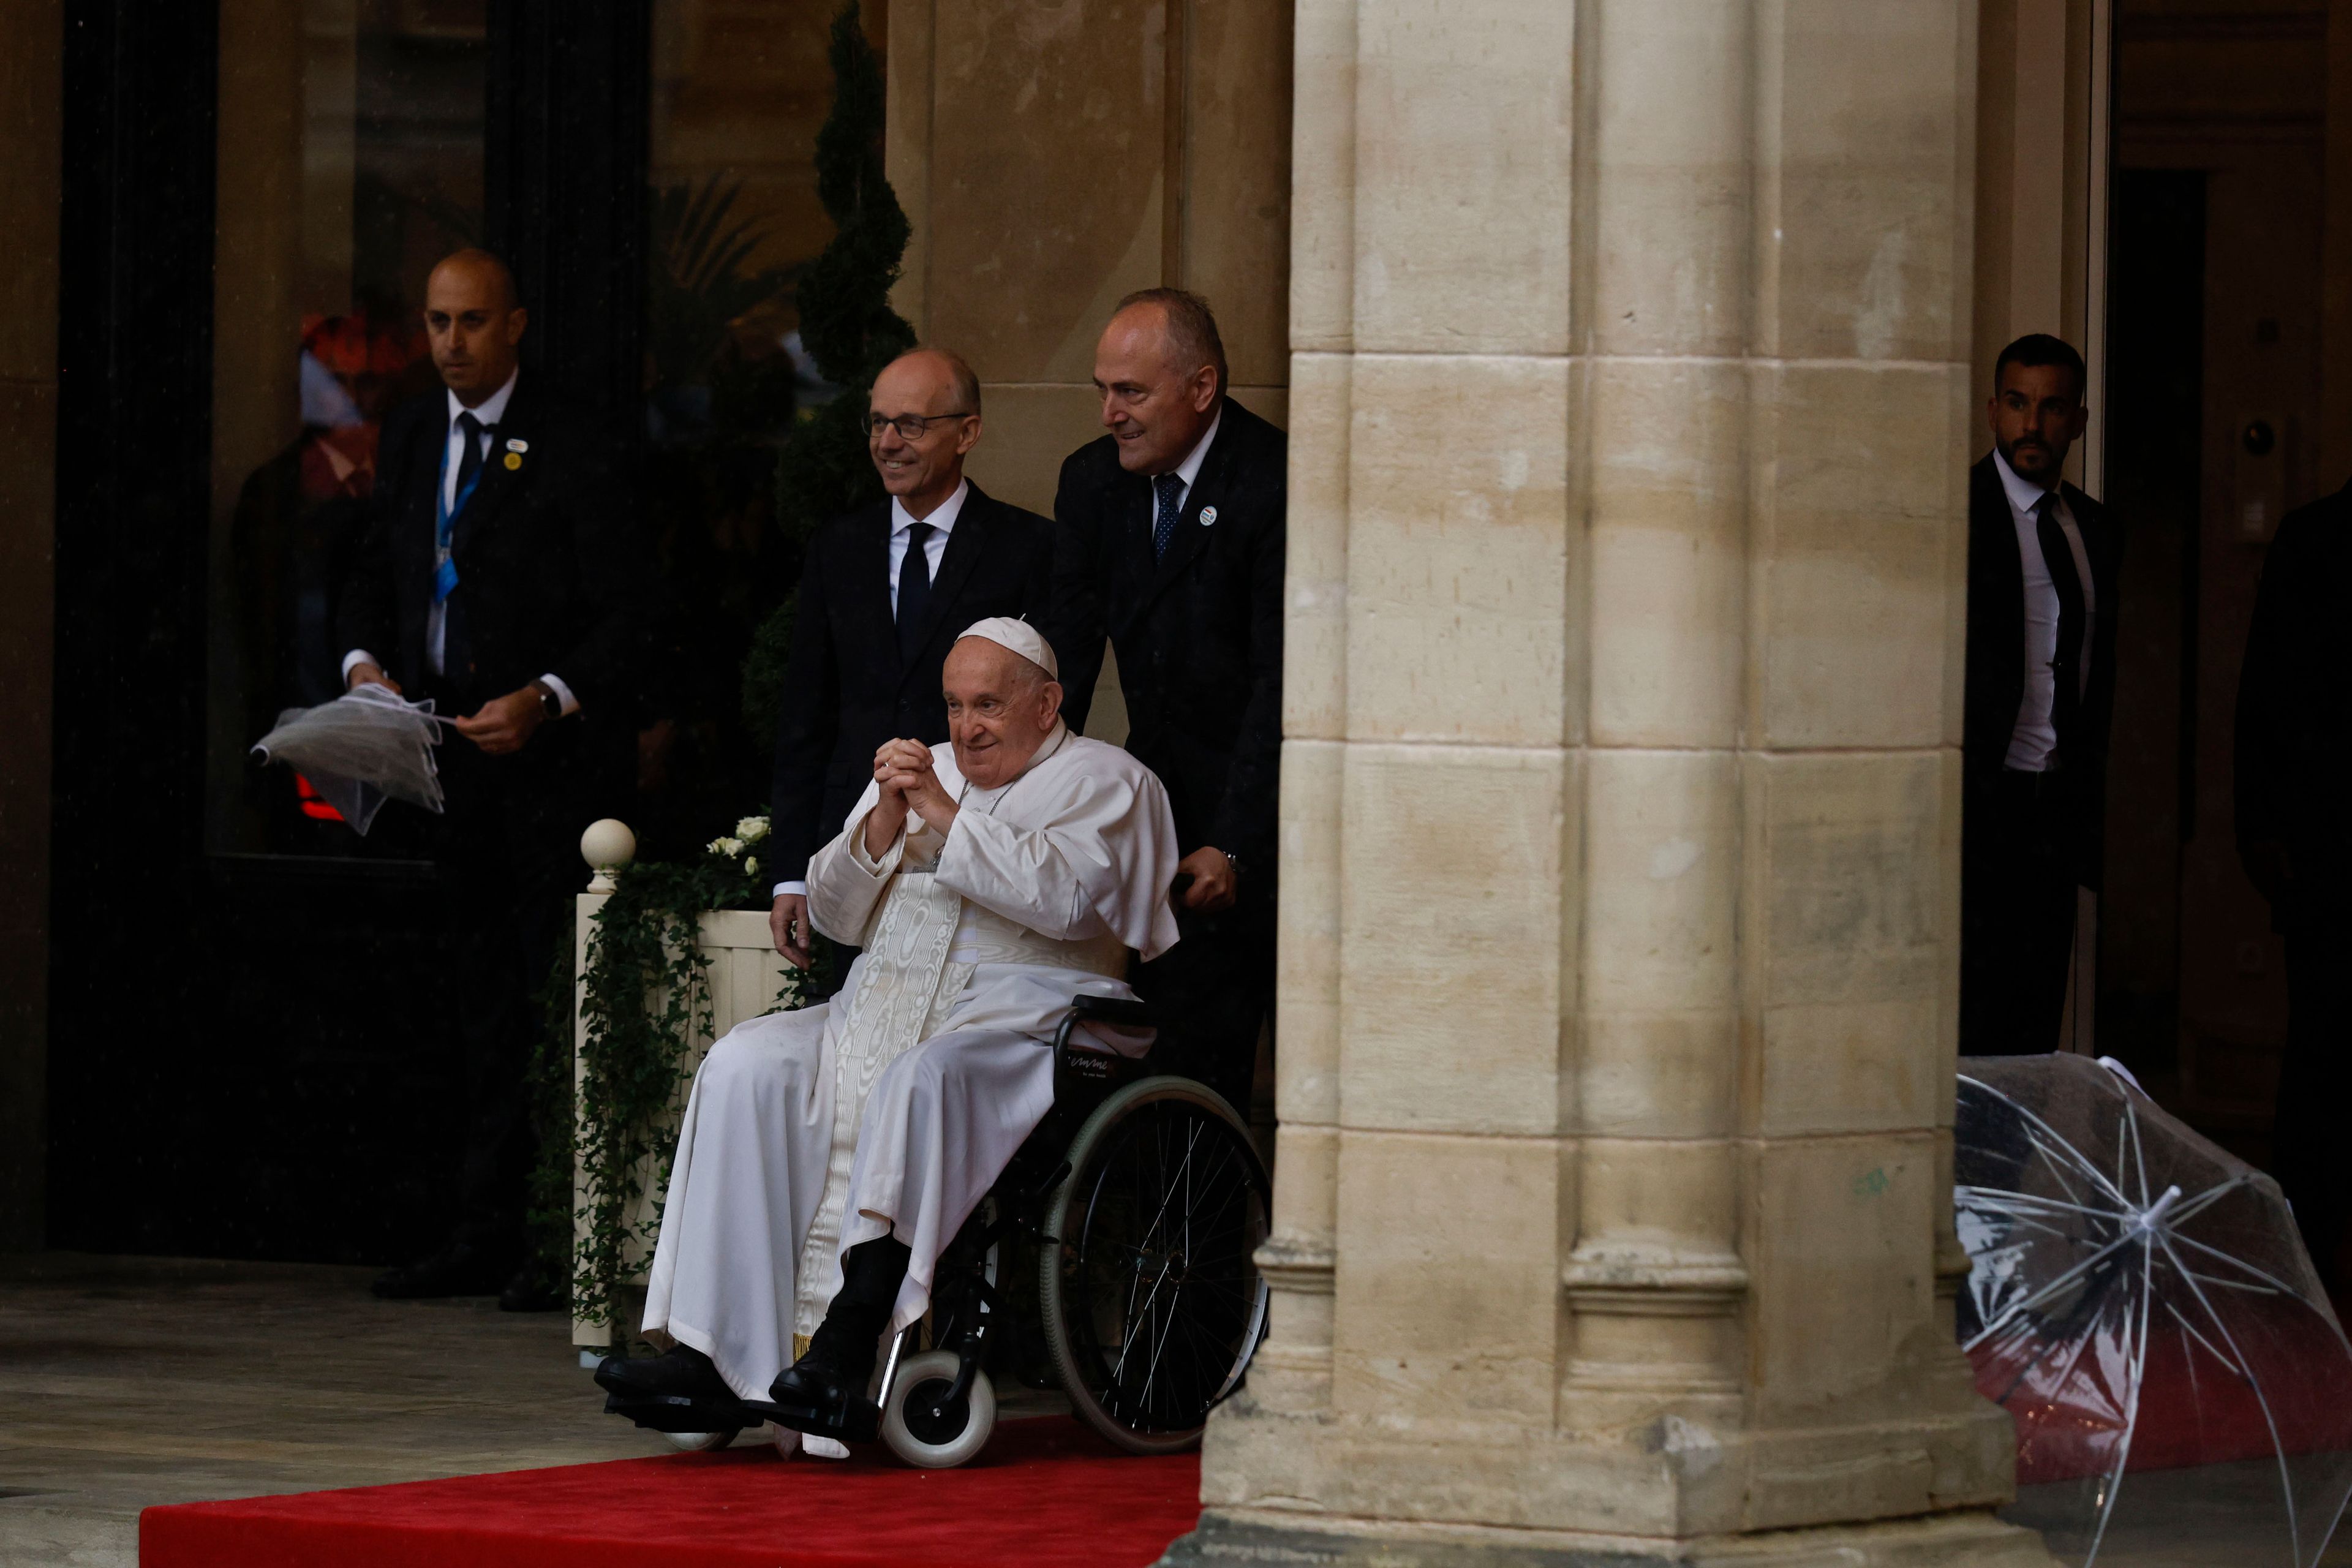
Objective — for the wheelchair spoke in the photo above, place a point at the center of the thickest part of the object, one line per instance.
(1163, 1261)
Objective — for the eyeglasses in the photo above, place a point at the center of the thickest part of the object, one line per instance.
(910, 426)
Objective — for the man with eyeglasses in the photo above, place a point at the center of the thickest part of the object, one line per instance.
(884, 592)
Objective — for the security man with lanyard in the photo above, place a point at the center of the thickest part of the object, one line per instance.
(501, 574)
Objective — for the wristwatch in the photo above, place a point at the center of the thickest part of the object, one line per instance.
(1233, 860)
(548, 702)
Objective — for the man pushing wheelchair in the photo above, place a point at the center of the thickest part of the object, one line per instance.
(828, 1156)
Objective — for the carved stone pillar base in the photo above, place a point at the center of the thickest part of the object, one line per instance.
(1263, 1538)
(1658, 1489)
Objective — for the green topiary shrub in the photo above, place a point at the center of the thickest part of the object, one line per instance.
(848, 327)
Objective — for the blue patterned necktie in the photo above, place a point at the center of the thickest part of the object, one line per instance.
(1170, 489)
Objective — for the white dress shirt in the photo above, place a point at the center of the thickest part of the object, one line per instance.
(2035, 738)
(489, 412)
(1189, 469)
(935, 549)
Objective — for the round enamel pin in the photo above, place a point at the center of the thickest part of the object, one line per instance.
(514, 460)
(1208, 515)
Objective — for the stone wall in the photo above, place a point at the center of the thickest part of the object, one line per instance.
(1052, 158)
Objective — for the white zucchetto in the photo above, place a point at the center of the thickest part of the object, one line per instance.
(1021, 638)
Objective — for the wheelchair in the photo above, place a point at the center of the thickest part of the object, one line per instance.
(1141, 1200)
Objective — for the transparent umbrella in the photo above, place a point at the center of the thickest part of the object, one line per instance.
(363, 748)
(2140, 1302)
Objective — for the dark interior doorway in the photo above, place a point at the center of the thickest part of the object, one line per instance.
(2155, 401)
(250, 1053)
(2216, 265)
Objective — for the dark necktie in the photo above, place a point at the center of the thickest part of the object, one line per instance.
(2066, 665)
(1170, 490)
(914, 590)
(469, 457)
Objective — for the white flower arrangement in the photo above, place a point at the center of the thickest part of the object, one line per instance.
(751, 866)
(751, 829)
(730, 848)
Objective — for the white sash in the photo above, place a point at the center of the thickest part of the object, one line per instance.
(904, 981)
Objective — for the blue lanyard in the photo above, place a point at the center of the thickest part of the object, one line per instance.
(445, 570)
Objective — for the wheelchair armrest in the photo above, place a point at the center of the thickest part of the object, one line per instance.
(1129, 1014)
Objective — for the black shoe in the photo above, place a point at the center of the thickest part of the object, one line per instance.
(839, 1364)
(459, 1269)
(531, 1291)
(824, 1392)
(683, 1373)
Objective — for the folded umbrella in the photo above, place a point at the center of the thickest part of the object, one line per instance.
(2140, 1302)
(365, 747)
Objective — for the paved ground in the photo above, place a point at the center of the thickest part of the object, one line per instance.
(127, 1381)
(2183, 1519)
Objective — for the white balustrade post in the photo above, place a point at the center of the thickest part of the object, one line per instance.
(607, 846)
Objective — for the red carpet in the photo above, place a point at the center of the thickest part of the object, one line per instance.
(2191, 1410)
(1046, 1493)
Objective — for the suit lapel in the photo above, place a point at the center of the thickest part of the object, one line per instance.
(412, 539)
(867, 600)
(1998, 541)
(1191, 536)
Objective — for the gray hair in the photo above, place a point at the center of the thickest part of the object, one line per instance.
(1192, 338)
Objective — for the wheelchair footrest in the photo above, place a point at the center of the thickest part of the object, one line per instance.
(680, 1413)
(860, 1422)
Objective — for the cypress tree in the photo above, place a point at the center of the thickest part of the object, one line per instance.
(848, 328)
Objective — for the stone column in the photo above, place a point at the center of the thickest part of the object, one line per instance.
(1620, 880)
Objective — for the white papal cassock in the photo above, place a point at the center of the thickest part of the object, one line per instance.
(893, 1109)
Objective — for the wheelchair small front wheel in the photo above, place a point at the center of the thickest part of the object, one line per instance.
(924, 1427)
(700, 1442)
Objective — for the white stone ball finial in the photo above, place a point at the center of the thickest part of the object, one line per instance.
(607, 846)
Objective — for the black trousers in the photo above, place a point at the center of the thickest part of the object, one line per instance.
(2018, 874)
(509, 846)
(1211, 992)
(2310, 1156)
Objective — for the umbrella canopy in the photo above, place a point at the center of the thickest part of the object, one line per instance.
(363, 747)
(2140, 1302)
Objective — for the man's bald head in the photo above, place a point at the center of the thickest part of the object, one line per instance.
(475, 323)
(933, 394)
(1160, 368)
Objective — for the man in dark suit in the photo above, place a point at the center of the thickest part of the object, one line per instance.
(886, 591)
(2043, 561)
(2294, 835)
(501, 574)
(1169, 542)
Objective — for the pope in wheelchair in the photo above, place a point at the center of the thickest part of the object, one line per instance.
(833, 1162)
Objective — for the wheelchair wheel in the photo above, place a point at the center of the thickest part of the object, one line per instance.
(1151, 1298)
(922, 1428)
(700, 1442)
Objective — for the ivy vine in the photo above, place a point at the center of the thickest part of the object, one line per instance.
(644, 999)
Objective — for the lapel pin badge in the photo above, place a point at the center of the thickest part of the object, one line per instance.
(516, 444)
(1208, 515)
(514, 460)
